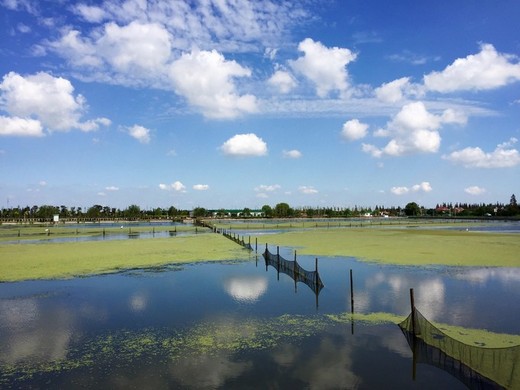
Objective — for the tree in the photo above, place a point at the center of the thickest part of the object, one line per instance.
(94, 211)
(412, 208)
(133, 212)
(267, 211)
(199, 212)
(282, 210)
(246, 213)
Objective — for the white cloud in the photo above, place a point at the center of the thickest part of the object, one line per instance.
(474, 190)
(292, 154)
(392, 92)
(244, 145)
(422, 187)
(283, 81)
(134, 54)
(201, 187)
(176, 186)
(23, 28)
(42, 183)
(140, 133)
(504, 156)
(262, 195)
(91, 14)
(325, 67)
(354, 130)
(112, 188)
(20, 127)
(44, 98)
(205, 79)
(138, 48)
(413, 130)
(267, 188)
(485, 70)
(308, 190)
(399, 190)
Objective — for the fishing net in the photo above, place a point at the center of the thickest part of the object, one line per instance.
(476, 366)
(294, 270)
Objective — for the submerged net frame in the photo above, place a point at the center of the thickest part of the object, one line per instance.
(476, 366)
(294, 270)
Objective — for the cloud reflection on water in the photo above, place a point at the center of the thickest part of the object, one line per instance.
(246, 289)
(35, 334)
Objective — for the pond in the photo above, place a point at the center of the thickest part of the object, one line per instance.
(241, 324)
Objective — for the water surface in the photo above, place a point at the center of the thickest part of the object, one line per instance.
(240, 325)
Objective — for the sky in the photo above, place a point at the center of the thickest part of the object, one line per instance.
(235, 103)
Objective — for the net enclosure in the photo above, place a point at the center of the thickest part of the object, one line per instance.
(294, 270)
(476, 366)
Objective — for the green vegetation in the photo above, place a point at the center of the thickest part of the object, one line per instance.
(406, 246)
(65, 260)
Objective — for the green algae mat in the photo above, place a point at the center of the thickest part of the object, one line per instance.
(70, 259)
(406, 246)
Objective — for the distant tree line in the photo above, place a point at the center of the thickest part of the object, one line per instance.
(280, 210)
(95, 212)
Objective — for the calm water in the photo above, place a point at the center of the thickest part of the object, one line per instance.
(240, 325)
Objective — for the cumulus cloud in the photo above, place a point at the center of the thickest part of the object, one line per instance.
(176, 186)
(485, 70)
(354, 130)
(474, 190)
(134, 54)
(205, 79)
(397, 90)
(422, 187)
(137, 47)
(14, 126)
(43, 101)
(244, 145)
(504, 156)
(112, 188)
(413, 130)
(325, 67)
(292, 154)
(283, 81)
(201, 187)
(140, 133)
(308, 190)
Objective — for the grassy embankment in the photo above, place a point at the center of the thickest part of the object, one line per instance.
(397, 246)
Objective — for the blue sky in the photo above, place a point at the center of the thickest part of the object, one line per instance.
(232, 103)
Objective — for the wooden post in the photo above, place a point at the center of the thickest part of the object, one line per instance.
(351, 293)
(351, 302)
(412, 305)
(256, 244)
